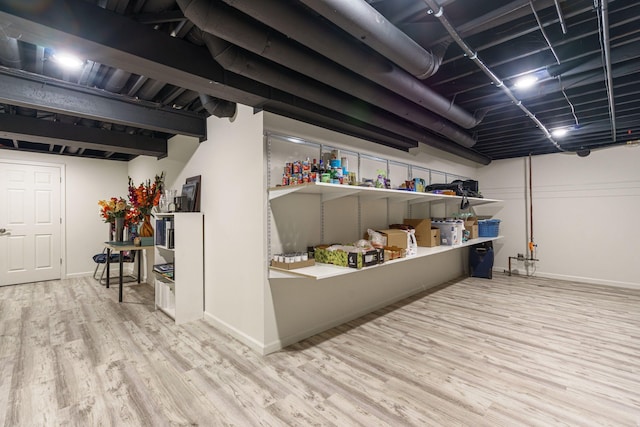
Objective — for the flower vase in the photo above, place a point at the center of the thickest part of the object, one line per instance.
(145, 231)
(119, 229)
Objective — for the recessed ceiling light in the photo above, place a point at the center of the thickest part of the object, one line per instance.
(525, 82)
(559, 133)
(67, 60)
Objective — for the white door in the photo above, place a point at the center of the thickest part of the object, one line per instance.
(30, 223)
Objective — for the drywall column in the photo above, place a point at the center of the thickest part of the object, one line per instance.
(234, 206)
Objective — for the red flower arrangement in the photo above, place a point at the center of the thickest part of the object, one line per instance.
(146, 195)
(143, 198)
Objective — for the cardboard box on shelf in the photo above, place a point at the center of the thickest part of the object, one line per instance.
(426, 235)
(471, 224)
(364, 259)
(323, 255)
(348, 256)
(394, 238)
(433, 240)
(292, 265)
(393, 252)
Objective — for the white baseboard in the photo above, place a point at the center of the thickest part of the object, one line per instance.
(280, 343)
(254, 344)
(589, 280)
(74, 275)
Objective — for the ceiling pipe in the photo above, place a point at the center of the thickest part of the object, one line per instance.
(246, 64)
(604, 15)
(544, 33)
(224, 22)
(218, 107)
(438, 12)
(560, 17)
(366, 24)
(323, 39)
(499, 16)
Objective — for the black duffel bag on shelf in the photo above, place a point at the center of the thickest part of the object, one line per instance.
(468, 188)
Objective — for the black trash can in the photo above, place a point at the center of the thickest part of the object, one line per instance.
(481, 260)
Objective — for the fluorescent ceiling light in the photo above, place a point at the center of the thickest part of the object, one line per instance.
(525, 82)
(559, 133)
(67, 60)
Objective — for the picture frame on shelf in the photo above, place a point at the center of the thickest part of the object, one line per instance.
(189, 192)
(196, 200)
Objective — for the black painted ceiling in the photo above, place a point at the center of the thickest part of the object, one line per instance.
(149, 65)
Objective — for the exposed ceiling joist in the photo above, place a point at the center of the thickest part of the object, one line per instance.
(147, 53)
(47, 132)
(29, 92)
(106, 37)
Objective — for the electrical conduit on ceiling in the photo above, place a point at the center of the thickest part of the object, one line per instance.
(368, 25)
(321, 38)
(606, 48)
(438, 12)
(226, 23)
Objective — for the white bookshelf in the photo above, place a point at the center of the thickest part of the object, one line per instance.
(182, 298)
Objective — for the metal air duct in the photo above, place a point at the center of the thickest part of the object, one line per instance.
(369, 26)
(244, 63)
(218, 107)
(226, 23)
(316, 35)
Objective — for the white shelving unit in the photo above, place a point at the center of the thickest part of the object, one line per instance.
(329, 192)
(325, 271)
(336, 191)
(182, 298)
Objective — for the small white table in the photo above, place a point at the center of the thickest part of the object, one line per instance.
(122, 247)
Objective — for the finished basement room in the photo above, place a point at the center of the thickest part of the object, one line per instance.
(328, 213)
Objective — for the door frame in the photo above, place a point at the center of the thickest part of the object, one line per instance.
(63, 213)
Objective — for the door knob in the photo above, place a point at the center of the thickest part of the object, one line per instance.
(3, 230)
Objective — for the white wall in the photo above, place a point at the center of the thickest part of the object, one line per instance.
(583, 214)
(180, 150)
(86, 182)
(231, 163)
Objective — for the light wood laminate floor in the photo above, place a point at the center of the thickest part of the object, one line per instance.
(503, 352)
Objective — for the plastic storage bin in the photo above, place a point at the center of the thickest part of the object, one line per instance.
(450, 231)
(488, 227)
